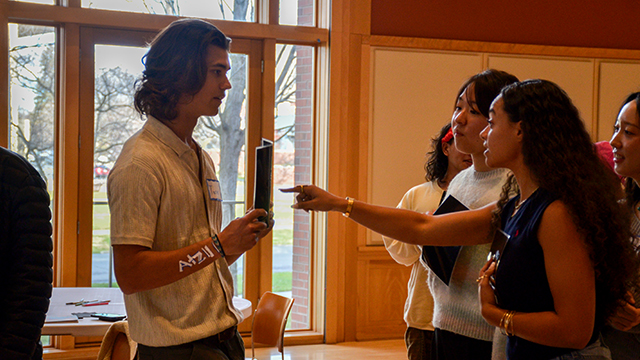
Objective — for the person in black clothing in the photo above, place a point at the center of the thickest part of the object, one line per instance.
(26, 260)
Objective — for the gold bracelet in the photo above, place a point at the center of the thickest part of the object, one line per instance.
(506, 326)
(501, 326)
(511, 333)
(506, 323)
(349, 207)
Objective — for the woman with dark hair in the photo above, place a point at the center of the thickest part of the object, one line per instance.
(443, 163)
(460, 331)
(622, 335)
(568, 260)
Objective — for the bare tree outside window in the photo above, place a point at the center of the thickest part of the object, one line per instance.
(31, 66)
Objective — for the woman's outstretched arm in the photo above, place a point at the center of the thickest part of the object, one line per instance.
(462, 228)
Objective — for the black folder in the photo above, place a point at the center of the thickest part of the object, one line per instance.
(442, 259)
(263, 185)
(497, 246)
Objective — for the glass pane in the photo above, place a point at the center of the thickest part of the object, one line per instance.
(50, 2)
(238, 10)
(223, 137)
(115, 120)
(32, 96)
(292, 165)
(116, 69)
(297, 12)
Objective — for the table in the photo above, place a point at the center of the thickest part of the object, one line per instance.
(89, 326)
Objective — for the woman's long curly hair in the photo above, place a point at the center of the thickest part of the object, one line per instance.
(437, 162)
(561, 158)
(176, 65)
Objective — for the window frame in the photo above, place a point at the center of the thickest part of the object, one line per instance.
(90, 37)
(72, 220)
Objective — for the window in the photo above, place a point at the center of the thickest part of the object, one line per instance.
(292, 165)
(32, 95)
(70, 106)
(218, 9)
(115, 120)
(50, 2)
(297, 12)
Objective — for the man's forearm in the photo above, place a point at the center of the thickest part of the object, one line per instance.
(139, 268)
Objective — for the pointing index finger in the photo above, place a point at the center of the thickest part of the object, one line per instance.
(295, 189)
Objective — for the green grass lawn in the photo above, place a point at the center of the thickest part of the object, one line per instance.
(282, 233)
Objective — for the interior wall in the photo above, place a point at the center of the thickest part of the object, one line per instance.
(596, 23)
(365, 288)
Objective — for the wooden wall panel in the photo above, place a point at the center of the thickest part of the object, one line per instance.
(617, 79)
(575, 76)
(412, 96)
(382, 290)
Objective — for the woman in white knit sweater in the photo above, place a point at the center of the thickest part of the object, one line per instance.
(443, 163)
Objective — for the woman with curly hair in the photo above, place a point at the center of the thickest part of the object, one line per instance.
(568, 260)
(622, 335)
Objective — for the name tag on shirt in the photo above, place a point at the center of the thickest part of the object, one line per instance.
(214, 190)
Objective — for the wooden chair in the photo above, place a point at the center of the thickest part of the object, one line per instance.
(269, 321)
(116, 344)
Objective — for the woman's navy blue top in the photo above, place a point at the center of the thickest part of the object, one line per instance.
(521, 277)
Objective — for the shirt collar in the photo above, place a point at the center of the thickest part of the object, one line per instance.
(161, 131)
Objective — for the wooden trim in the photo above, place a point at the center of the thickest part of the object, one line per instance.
(318, 221)
(90, 353)
(595, 108)
(136, 21)
(266, 126)
(261, 253)
(85, 163)
(335, 229)
(138, 38)
(274, 12)
(344, 153)
(504, 48)
(68, 164)
(4, 75)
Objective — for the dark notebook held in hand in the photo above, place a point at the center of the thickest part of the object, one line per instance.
(441, 259)
(263, 183)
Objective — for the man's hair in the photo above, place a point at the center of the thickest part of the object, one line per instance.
(175, 65)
